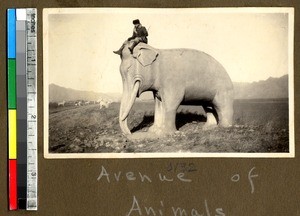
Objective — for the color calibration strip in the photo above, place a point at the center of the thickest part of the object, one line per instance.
(12, 108)
(22, 107)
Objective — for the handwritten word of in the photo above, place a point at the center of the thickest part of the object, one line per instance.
(236, 178)
(138, 209)
(132, 176)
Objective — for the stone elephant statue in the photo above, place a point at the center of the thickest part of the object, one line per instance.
(175, 76)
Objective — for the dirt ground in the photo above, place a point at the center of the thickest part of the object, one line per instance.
(259, 126)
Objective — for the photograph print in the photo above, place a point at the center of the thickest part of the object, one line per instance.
(196, 82)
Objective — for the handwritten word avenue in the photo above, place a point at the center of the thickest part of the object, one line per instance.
(138, 176)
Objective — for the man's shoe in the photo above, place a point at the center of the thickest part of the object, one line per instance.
(118, 52)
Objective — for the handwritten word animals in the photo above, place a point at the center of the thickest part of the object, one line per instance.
(138, 208)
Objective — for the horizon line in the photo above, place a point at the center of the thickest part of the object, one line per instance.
(105, 92)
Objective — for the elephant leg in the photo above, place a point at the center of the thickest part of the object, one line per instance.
(169, 121)
(224, 107)
(211, 117)
(158, 118)
(170, 105)
(164, 119)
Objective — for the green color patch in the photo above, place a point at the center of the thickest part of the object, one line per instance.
(11, 84)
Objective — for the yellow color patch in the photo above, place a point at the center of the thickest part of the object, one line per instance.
(12, 133)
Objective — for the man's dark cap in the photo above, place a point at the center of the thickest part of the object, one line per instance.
(136, 21)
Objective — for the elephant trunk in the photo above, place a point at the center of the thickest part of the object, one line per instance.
(127, 102)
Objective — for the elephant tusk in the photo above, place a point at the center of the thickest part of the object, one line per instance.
(131, 100)
(124, 127)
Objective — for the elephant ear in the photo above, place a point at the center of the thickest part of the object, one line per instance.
(145, 54)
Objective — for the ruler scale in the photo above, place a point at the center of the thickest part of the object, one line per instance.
(31, 86)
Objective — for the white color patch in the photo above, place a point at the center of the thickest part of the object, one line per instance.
(21, 14)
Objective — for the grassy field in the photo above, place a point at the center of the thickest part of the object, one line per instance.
(259, 126)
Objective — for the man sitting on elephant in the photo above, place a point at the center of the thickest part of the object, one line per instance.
(139, 35)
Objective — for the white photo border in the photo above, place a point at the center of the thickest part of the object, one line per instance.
(288, 10)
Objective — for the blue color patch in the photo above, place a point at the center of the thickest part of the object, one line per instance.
(11, 33)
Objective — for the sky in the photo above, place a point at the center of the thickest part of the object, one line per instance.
(251, 46)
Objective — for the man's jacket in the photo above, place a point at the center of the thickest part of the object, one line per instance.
(140, 32)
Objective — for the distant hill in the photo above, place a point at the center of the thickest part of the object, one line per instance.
(270, 88)
(58, 93)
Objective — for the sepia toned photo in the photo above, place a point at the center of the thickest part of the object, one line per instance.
(197, 82)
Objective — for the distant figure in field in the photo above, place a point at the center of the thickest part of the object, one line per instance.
(61, 104)
(139, 35)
